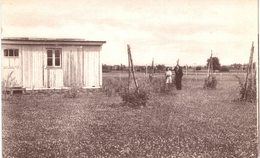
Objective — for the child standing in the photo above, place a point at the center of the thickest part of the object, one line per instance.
(168, 77)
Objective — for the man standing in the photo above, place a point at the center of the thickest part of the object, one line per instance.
(178, 76)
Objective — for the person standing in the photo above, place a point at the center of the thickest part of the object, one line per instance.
(178, 76)
(168, 77)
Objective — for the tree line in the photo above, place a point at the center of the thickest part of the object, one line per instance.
(161, 67)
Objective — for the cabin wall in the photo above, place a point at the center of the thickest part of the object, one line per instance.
(92, 75)
(33, 66)
(11, 69)
(36, 74)
(72, 65)
(80, 66)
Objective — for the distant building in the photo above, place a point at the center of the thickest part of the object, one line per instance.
(43, 63)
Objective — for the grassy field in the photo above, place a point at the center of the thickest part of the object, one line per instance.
(193, 122)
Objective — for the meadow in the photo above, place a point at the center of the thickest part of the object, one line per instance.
(192, 122)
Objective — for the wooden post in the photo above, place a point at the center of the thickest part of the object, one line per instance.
(186, 69)
(120, 75)
(194, 65)
(249, 73)
(151, 73)
(153, 67)
(146, 69)
(129, 69)
(196, 75)
(209, 65)
(132, 67)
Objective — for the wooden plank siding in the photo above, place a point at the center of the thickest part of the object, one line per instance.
(92, 65)
(12, 66)
(32, 67)
(26, 67)
(72, 66)
(37, 73)
(80, 65)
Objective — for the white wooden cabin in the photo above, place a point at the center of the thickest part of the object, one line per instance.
(40, 63)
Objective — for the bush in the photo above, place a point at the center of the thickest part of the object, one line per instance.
(210, 82)
(157, 85)
(135, 99)
(73, 92)
(132, 98)
(112, 86)
(9, 82)
(250, 92)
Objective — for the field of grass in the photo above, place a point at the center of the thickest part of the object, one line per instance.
(193, 122)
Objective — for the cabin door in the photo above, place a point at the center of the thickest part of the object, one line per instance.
(12, 71)
(54, 69)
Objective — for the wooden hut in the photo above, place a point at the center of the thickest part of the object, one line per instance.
(43, 63)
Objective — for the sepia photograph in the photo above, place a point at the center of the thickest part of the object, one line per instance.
(136, 79)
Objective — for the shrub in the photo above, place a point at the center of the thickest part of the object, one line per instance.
(156, 84)
(135, 99)
(130, 98)
(210, 82)
(73, 92)
(249, 93)
(9, 82)
(119, 86)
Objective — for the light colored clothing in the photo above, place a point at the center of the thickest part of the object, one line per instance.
(168, 75)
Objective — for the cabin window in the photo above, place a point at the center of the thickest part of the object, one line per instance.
(11, 58)
(11, 52)
(54, 57)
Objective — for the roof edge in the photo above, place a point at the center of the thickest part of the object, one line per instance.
(28, 39)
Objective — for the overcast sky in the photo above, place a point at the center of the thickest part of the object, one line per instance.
(165, 30)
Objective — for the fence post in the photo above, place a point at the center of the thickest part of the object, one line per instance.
(132, 67)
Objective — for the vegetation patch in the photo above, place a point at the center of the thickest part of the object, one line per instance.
(114, 86)
(247, 93)
(73, 92)
(210, 82)
(192, 123)
(135, 99)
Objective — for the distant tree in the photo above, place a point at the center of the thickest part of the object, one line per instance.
(216, 64)
(237, 66)
(106, 68)
(198, 67)
(160, 67)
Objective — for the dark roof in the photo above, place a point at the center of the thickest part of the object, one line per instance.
(49, 41)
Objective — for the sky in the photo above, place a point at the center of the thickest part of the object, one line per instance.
(163, 30)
